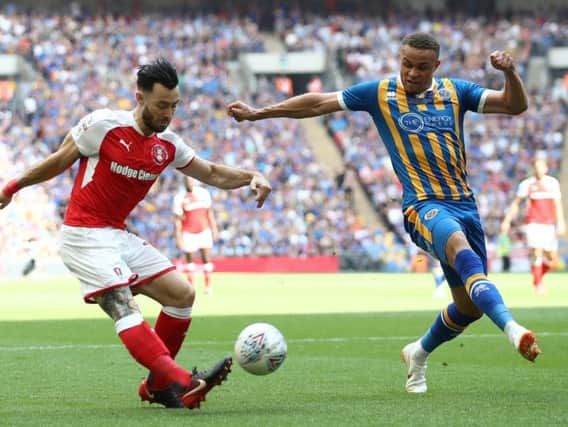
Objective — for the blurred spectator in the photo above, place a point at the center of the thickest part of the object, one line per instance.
(346, 181)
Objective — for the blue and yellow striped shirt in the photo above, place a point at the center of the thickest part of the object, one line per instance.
(423, 135)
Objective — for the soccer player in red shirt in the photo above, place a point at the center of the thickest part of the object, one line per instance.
(195, 227)
(121, 154)
(544, 220)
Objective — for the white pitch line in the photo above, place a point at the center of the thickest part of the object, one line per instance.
(49, 347)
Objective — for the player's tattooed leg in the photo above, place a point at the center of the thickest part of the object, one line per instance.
(118, 302)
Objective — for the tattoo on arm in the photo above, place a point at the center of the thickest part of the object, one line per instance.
(118, 302)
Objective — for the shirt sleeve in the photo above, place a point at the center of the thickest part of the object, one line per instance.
(471, 95)
(184, 153)
(555, 184)
(523, 189)
(177, 206)
(89, 133)
(361, 97)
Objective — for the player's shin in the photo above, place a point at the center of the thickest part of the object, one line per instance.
(537, 270)
(482, 292)
(172, 326)
(448, 325)
(149, 350)
(190, 270)
(208, 271)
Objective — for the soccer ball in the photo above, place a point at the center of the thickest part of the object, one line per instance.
(260, 349)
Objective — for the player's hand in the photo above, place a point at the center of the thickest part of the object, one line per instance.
(261, 188)
(503, 61)
(4, 201)
(241, 111)
(561, 230)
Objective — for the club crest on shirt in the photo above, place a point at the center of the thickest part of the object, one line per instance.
(159, 154)
(445, 94)
(431, 214)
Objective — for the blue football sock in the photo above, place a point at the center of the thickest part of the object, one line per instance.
(448, 325)
(482, 292)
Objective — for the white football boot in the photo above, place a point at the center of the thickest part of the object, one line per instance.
(414, 356)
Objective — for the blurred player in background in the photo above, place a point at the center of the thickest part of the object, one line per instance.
(421, 262)
(121, 154)
(544, 220)
(420, 120)
(195, 228)
(504, 246)
(439, 279)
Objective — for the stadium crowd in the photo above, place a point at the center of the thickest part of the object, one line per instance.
(89, 63)
(86, 63)
(499, 148)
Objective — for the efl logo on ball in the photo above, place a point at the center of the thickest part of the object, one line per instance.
(260, 349)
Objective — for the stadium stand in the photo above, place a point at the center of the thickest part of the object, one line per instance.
(500, 148)
(86, 62)
(306, 214)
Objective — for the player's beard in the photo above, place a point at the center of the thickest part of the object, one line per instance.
(148, 120)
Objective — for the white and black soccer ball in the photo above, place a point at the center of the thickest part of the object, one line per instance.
(260, 349)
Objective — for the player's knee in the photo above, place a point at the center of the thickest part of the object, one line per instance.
(186, 296)
(179, 296)
(464, 304)
(537, 254)
(456, 243)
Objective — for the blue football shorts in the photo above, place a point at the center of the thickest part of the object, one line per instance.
(430, 223)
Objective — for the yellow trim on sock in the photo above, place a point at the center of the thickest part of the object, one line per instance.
(472, 279)
(449, 322)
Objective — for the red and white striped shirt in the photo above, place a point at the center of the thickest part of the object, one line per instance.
(118, 165)
(541, 194)
(193, 207)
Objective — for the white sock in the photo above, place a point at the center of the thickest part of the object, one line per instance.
(514, 331)
(420, 353)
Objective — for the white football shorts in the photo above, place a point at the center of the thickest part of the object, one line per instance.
(192, 242)
(541, 236)
(105, 258)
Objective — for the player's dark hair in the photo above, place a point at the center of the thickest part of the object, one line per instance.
(158, 71)
(421, 41)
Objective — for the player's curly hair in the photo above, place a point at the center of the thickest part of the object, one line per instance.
(158, 71)
(420, 40)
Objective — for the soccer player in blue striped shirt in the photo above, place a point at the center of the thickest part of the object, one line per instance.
(419, 118)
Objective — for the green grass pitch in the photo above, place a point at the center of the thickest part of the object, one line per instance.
(62, 364)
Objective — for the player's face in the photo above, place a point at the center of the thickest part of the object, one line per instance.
(159, 106)
(540, 168)
(417, 68)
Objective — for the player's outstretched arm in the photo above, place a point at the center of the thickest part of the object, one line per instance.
(560, 221)
(177, 232)
(512, 99)
(229, 178)
(297, 107)
(52, 166)
(212, 224)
